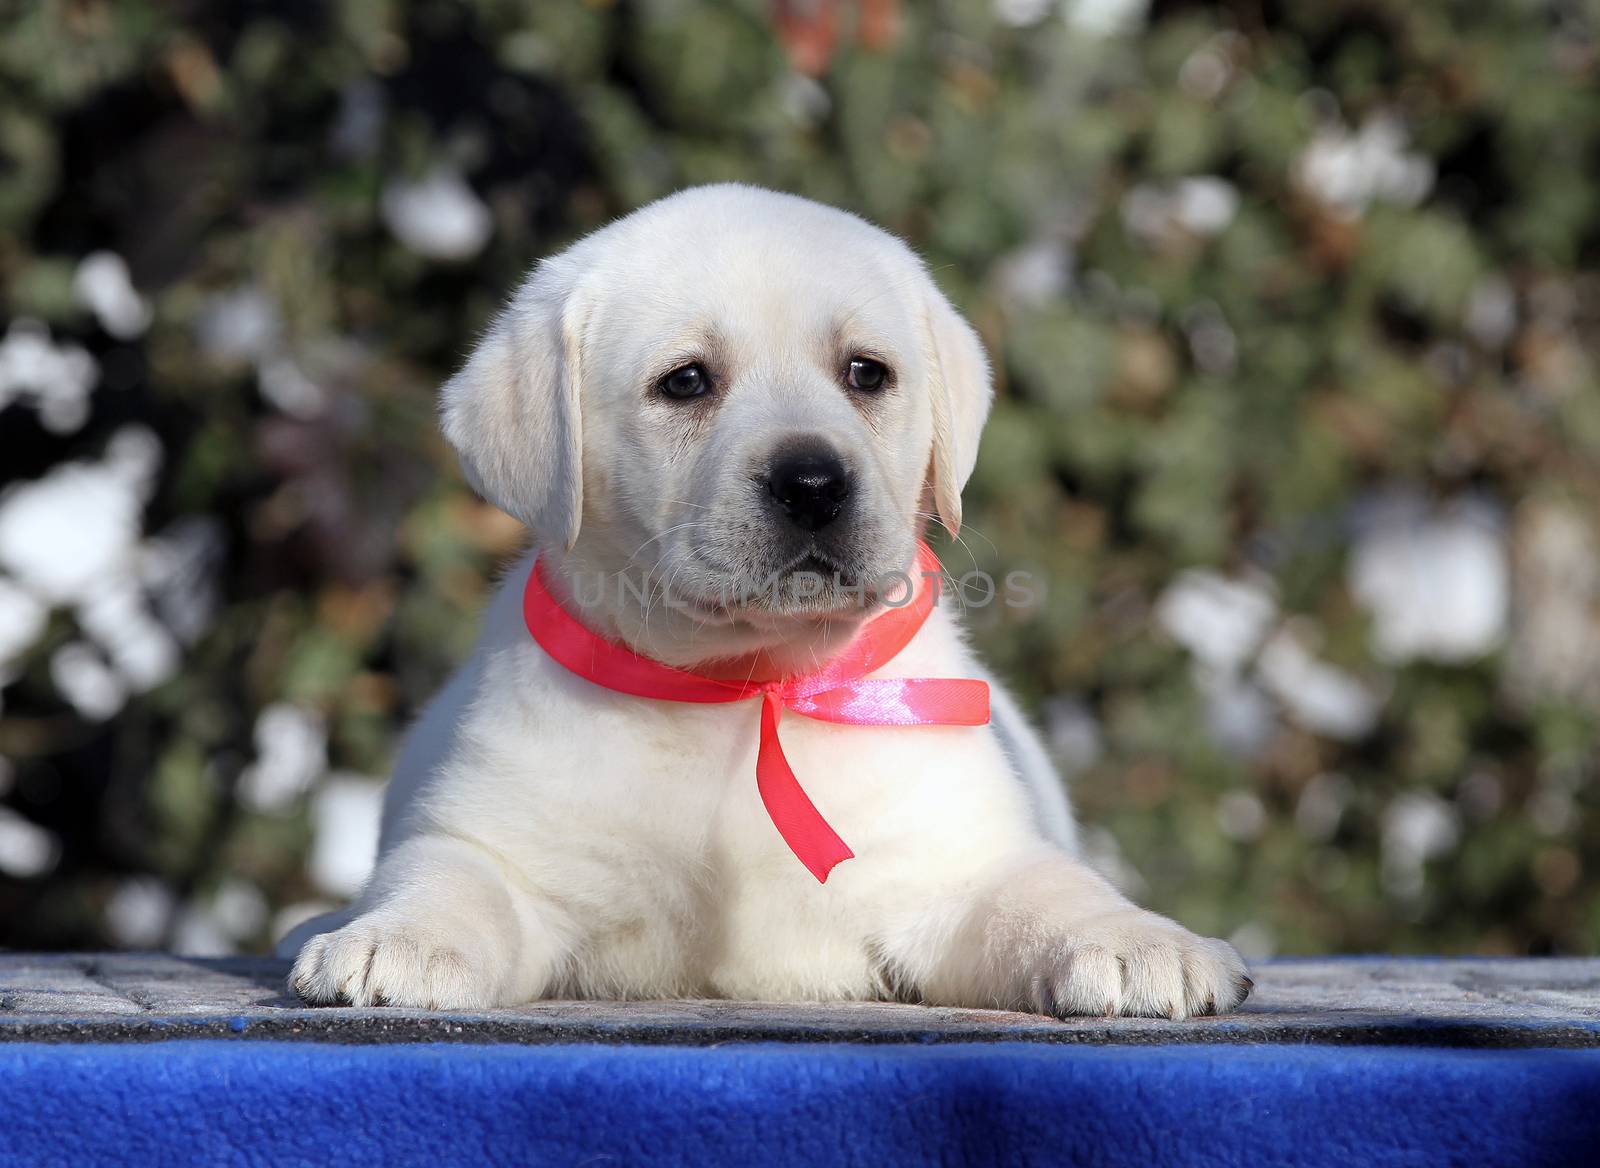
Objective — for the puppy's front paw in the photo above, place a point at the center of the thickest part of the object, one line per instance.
(1136, 963)
(377, 962)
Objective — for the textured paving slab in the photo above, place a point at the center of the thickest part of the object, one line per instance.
(1411, 1002)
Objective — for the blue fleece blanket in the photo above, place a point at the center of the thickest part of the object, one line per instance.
(258, 1103)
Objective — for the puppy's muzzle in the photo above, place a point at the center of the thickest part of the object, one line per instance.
(810, 485)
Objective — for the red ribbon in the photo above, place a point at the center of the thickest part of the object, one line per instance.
(838, 692)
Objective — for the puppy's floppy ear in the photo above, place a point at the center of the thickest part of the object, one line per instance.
(512, 413)
(958, 374)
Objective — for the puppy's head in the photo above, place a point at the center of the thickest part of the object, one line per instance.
(744, 402)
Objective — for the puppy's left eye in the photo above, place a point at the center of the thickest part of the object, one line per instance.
(685, 382)
(867, 374)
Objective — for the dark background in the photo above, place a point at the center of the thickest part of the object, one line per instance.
(1294, 314)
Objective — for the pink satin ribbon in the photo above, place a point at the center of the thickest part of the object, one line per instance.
(839, 692)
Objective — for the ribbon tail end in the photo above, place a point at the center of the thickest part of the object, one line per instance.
(822, 868)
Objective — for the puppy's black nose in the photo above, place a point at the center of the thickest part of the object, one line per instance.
(810, 485)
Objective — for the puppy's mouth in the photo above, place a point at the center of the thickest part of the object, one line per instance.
(817, 565)
(812, 587)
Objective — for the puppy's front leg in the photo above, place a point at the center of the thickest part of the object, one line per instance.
(1050, 935)
(438, 927)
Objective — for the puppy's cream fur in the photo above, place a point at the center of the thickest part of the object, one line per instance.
(547, 837)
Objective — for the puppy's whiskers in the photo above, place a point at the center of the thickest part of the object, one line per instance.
(961, 539)
(661, 535)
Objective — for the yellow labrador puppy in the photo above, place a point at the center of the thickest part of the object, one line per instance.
(739, 406)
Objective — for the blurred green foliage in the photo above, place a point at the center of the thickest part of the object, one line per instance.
(1255, 277)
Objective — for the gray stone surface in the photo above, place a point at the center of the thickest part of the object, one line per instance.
(1403, 1001)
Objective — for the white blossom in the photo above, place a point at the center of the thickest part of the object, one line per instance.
(1205, 73)
(138, 911)
(437, 216)
(1348, 171)
(291, 753)
(1221, 621)
(103, 286)
(1322, 698)
(1241, 816)
(240, 907)
(116, 616)
(1035, 274)
(201, 932)
(284, 383)
(22, 619)
(1103, 18)
(81, 676)
(1239, 716)
(1417, 827)
(1203, 205)
(345, 814)
(72, 539)
(1436, 580)
(26, 849)
(64, 535)
(239, 325)
(55, 380)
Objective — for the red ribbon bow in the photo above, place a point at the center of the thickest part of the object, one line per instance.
(839, 692)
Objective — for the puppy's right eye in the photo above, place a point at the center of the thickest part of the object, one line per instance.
(686, 382)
